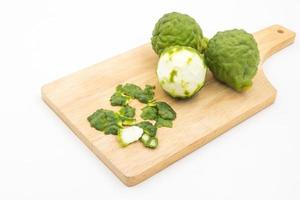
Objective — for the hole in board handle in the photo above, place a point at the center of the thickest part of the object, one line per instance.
(280, 31)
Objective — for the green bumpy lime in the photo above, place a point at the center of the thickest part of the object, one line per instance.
(233, 58)
(177, 29)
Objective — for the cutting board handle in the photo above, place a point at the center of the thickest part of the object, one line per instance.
(272, 40)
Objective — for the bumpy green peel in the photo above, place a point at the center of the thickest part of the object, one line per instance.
(148, 141)
(148, 128)
(177, 29)
(105, 120)
(123, 123)
(161, 122)
(152, 143)
(165, 111)
(149, 113)
(233, 57)
(161, 112)
(124, 93)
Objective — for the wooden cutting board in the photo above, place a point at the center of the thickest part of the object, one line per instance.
(214, 110)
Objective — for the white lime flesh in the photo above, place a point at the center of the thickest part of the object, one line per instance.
(130, 134)
(181, 71)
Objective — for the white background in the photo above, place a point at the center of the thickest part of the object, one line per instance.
(40, 158)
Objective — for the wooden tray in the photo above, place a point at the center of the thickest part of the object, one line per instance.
(215, 109)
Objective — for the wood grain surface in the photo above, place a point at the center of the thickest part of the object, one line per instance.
(215, 109)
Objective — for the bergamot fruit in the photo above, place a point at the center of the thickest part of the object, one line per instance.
(233, 57)
(181, 71)
(177, 29)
